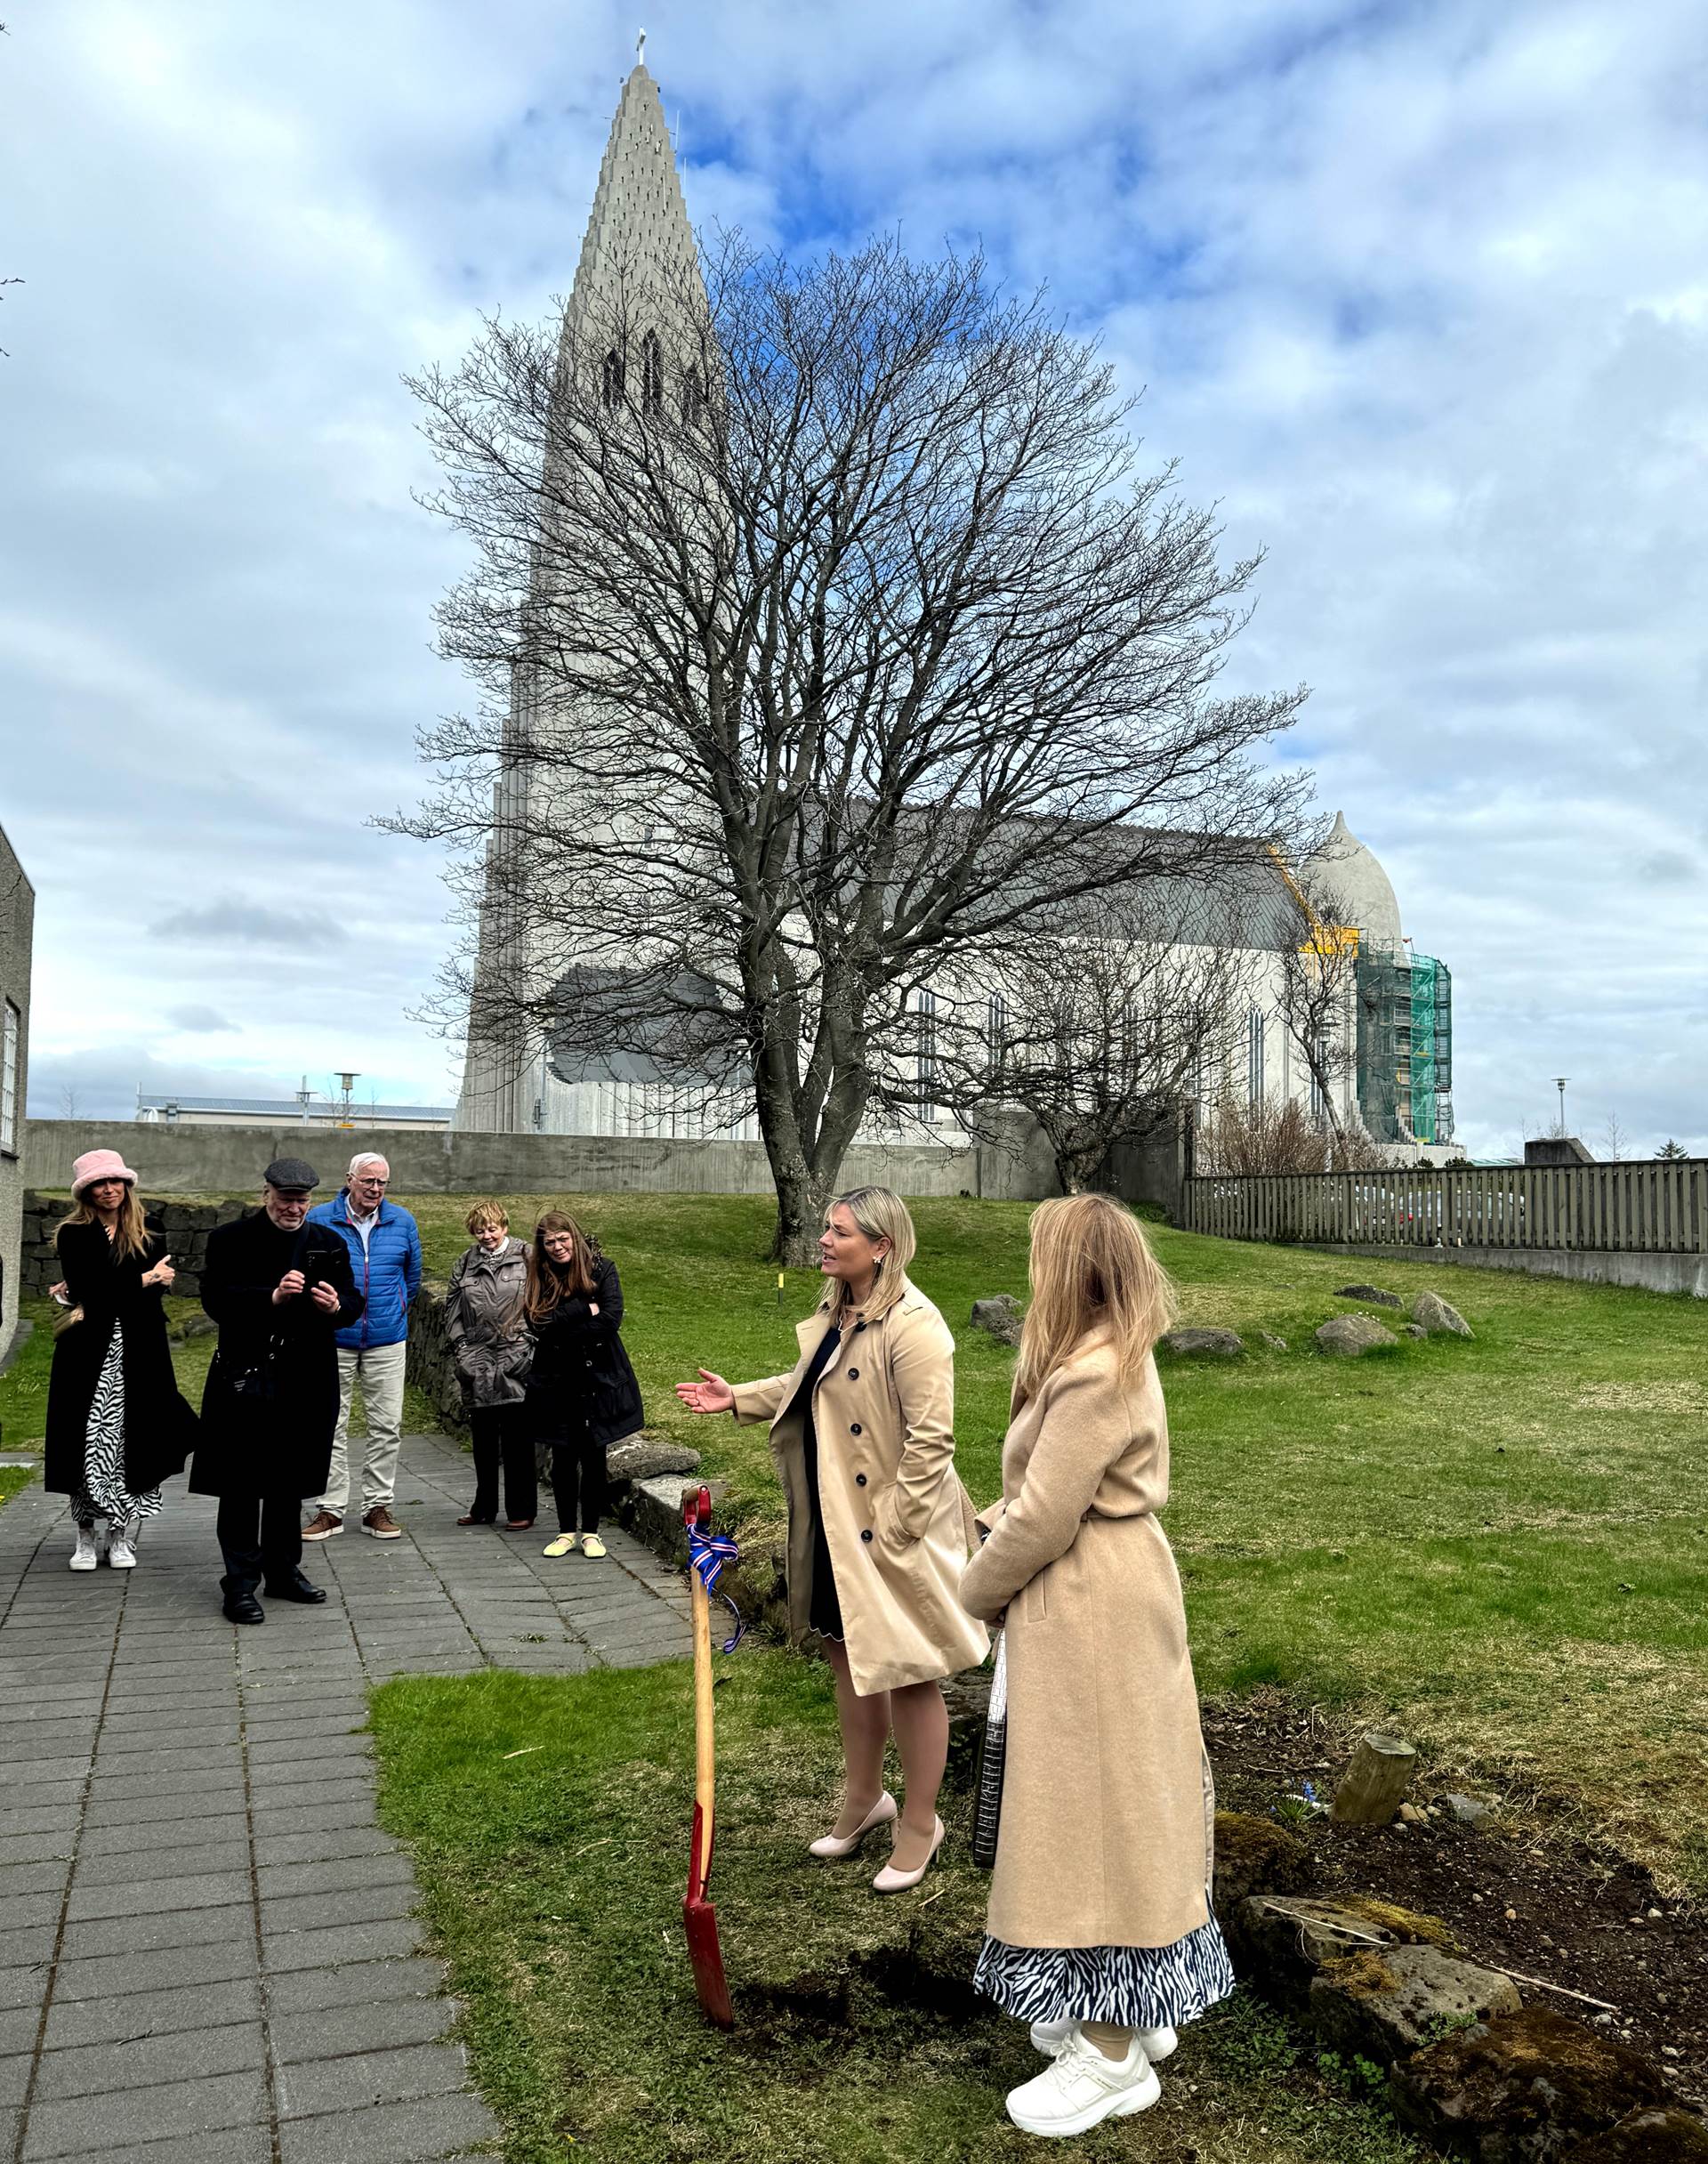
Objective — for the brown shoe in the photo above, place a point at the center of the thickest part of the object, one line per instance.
(382, 1524)
(322, 1526)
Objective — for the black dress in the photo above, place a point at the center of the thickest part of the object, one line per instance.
(825, 1613)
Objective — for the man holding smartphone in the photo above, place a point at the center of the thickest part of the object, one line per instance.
(280, 1288)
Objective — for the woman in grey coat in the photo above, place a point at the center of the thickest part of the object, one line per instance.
(492, 1348)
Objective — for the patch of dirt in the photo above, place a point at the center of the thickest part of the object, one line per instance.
(1581, 1915)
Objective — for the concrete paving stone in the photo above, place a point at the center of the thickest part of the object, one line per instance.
(23, 1770)
(325, 1874)
(348, 1719)
(186, 2055)
(369, 1903)
(29, 1945)
(137, 2015)
(165, 2111)
(126, 1934)
(352, 1809)
(165, 1763)
(390, 2134)
(149, 1710)
(14, 2077)
(128, 1837)
(56, 1738)
(359, 1984)
(319, 1846)
(108, 1975)
(223, 2145)
(17, 1880)
(333, 1944)
(180, 1671)
(306, 2040)
(189, 1860)
(184, 1807)
(146, 1894)
(307, 1794)
(22, 1985)
(39, 1796)
(295, 1752)
(365, 2078)
(214, 1731)
(31, 1705)
(28, 1910)
(22, 1832)
(185, 1785)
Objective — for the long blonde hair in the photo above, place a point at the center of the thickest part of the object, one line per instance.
(130, 1233)
(880, 1214)
(1092, 1270)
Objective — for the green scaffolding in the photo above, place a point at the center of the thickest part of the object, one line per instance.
(1405, 1045)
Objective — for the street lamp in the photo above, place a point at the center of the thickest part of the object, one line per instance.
(346, 1082)
(1560, 1083)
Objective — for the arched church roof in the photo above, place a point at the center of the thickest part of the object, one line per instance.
(1344, 871)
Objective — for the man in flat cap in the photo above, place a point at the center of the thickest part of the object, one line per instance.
(280, 1289)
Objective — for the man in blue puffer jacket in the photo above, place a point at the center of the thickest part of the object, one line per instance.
(386, 1256)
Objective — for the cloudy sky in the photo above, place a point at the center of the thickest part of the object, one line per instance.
(1416, 292)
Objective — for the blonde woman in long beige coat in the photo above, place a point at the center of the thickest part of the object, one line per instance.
(862, 1429)
(1099, 1931)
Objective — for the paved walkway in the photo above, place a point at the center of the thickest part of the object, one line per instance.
(208, 1947)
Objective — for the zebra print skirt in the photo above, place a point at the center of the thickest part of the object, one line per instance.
(103, 1493)
(1129, 1987)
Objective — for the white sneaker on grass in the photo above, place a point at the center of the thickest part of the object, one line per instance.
(1083, 2088)
(86, 1554)
(121, 1546)
(1049, 2037)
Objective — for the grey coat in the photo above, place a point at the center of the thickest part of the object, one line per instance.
(483, 1308)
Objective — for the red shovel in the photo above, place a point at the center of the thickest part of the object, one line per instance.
(700, 1919)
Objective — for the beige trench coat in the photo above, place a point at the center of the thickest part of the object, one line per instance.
(897, 1520)
(1105, 1835)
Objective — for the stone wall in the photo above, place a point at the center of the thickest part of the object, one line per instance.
(186, 1225)
(428, 1362)
(17, 928)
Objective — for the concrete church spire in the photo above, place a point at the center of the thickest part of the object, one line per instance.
(638, 233)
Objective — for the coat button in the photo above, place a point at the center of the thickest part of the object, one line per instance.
(853, 1427)
(859, 1480)
(866, 1535)
(853, 1375)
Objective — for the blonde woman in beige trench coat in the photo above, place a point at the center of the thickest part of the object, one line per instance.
(1099, 1931)
(862, 1429)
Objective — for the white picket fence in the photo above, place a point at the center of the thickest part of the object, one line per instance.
(1659, 1208)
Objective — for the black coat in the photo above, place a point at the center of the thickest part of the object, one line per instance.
(159, 1425)
(280, 1446)
(581, 1387)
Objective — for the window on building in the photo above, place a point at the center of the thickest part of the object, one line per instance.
(995, 1031)
(652, 375)
(693, 396)
(11, 1031)
(1254, 1058)
(611, 379)
(925, 1007)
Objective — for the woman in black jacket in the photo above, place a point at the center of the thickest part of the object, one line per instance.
(279, 1288)
(582, 1394)
(117, 1425)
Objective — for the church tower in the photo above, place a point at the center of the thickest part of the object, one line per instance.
(638, 256)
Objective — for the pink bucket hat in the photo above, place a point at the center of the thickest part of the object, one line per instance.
(99, 1165)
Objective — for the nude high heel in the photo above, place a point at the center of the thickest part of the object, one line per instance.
(829, 1848)
(889, 1880)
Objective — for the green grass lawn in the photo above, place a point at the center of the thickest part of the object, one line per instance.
(12, 1478)
(549, 1821)
(1502, 1544)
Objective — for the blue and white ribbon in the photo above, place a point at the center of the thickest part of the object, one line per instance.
(707, 1553)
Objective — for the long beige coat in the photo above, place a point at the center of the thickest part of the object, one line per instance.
(897, 1520)
(1104, 1838)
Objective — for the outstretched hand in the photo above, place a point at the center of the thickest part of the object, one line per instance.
(710, 1395)
(325, 1298)
(161, 1274)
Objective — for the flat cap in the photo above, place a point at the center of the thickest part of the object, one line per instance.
(291, 1172)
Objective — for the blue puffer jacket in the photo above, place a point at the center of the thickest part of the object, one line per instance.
(387, 1271)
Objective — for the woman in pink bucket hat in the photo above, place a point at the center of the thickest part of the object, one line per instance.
(117, 1425)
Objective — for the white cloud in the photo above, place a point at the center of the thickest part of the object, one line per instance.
(1417, 293)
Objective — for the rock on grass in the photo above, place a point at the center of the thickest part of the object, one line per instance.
(1348, 1336)
(1437, 1317)
(1220, 1344)
(1387, 2004)
(1664, 2134)
(1524, 2089)
(1373, 1293)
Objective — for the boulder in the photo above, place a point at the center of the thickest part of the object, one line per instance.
(1523, 2089)
(1437, 1317)
(1415, 1329)
(1351, 1336)
(1469, 1810)
(1220, 1344)
(1386, 2005)
(1001, 1316)
(199, 1325)
(643, 1456)
(1255, 1855)
(1662, 2134)
(1373, 1293)
(1283, 1941)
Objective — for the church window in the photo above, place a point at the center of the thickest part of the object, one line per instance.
(611, 379)
(1254, 1058)
(693, 396)
(652, 375)
(9, 1063)
(925, 1003)
(995, 1031)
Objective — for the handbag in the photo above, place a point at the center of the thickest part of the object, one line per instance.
(988, 1775)
(258, 1382)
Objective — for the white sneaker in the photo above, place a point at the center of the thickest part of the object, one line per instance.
(121, 1546)
(1083, 2088)
(85, 1555)
(1049, 2037)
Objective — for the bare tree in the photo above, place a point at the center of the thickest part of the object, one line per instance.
(70, 1103)
(1316, 992)
(1098, 1028)
(828, 634)
(1614, 1140)
(1273, 1136)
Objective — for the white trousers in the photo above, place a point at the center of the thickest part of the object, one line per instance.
(379, 1372)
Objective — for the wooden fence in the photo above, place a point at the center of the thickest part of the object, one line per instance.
(1659, 1208)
